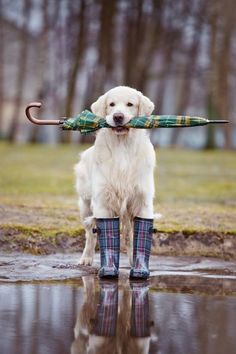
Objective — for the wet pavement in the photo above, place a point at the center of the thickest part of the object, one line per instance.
(49, 304)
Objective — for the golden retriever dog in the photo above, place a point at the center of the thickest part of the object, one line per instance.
(114, 178)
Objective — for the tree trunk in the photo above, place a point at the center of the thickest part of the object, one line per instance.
(224, 54)
(212, 82)
(188, 72)
(20, 80)
(103, 73)
(78, 54)
(43, 55)
(1, 68)
(134, 34)
(152, 39)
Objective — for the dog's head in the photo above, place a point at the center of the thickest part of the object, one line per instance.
(119, 105)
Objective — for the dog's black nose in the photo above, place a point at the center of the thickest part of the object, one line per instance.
(118, 118)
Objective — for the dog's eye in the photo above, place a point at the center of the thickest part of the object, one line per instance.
(112, 104)
(129, 104)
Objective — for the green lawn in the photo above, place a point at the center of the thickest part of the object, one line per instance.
(195, 190)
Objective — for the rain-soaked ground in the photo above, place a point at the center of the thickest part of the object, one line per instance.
(50, 305)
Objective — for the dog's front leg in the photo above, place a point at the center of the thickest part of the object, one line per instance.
(88, 223)
(89, 249)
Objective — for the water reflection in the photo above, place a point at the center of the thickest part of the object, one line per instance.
(112, 318)
(106, 316)
(119, 323)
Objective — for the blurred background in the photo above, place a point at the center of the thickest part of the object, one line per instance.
(66, 53)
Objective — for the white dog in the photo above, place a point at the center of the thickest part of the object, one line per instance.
(114, 178)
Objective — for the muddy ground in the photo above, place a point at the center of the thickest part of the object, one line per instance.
(21, 238)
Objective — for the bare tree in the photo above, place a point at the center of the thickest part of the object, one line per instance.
(1, 66)
(43, 54)
(103, 72)
(105, 42)
(189, 67)
(152, 39)
(170, 37)
(212, 79)
(228, 9)
(135, 25)
(21, 76)
(78, 19)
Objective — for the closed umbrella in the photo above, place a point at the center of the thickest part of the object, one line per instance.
(87, 122)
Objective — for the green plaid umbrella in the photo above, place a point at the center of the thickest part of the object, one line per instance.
(87, 122)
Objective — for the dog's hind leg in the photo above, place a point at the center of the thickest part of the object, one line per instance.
(91, 238)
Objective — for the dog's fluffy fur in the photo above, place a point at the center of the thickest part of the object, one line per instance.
(115, 176)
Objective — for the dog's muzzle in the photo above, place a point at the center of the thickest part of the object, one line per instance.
(118, 119)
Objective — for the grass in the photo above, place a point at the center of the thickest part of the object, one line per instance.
(195, 190)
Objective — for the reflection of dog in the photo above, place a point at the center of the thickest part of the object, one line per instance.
(104, 327)
(115, 176)
(83, 326)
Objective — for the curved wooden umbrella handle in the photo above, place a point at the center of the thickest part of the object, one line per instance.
(39, 121)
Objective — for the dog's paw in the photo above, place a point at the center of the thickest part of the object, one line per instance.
(86, 260)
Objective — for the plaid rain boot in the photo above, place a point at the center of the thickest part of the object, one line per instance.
(143, 229)
(140, 324)
(106, 317)
(108, 231)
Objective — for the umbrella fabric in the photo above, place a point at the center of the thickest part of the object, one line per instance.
(87, 122)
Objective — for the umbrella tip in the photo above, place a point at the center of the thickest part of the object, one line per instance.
(218, 121)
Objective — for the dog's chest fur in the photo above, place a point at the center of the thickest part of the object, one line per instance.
(122, 163)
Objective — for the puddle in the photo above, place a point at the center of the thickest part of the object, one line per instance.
(89, 316)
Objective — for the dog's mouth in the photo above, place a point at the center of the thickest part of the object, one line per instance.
(120, 130)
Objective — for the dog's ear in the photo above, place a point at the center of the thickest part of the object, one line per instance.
(99, 107)
(146, 106)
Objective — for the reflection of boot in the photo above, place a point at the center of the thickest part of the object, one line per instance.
(143, 229)
(140, 325)
(108, 231)
(106, 317)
